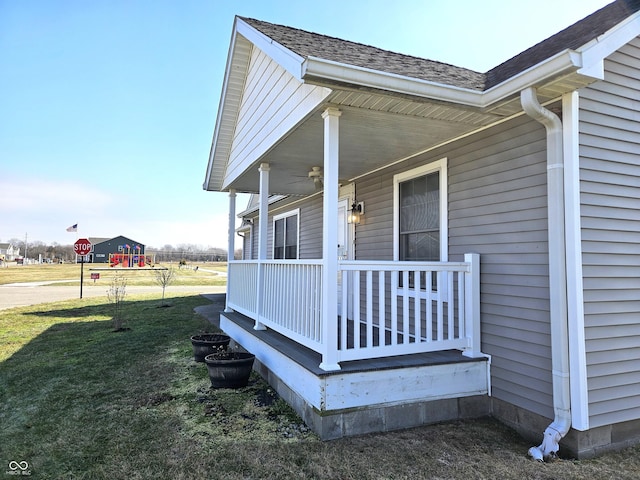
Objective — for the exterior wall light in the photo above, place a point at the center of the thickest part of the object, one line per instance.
(357, 210)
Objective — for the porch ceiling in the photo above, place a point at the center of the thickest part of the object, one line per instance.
(375, 131)
(380, 128)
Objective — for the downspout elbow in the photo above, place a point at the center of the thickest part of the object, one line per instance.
(532, 107)
(551, 437)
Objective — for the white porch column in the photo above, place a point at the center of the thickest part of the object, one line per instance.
(330, 241)
(262, 240)
(231, 241)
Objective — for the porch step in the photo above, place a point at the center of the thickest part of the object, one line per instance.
(365, 395)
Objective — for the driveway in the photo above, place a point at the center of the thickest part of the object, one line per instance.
(24, 294)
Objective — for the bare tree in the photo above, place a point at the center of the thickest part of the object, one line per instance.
(116, 293)
(164, 277)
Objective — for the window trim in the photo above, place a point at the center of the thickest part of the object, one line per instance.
(432, 167)
(290, 213)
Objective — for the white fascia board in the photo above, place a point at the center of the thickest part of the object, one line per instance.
(598, 49)
(255, 208)
(286, 58)
(221, 108)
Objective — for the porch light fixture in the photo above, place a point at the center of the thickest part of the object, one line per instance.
(357, 210)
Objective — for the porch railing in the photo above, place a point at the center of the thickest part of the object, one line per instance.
(384, 308)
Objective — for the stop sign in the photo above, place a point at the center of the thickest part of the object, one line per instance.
(82, 246)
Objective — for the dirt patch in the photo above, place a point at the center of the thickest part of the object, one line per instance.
(153, 400)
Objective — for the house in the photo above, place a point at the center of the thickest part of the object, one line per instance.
(117, 251)
(8, 252)
(492, 262)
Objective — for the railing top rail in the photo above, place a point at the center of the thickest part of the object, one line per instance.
(403, 266)
(389, 265)
(280, 262)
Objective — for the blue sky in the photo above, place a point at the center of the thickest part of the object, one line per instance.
(107, 108)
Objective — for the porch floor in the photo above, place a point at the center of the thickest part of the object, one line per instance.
(310, 360)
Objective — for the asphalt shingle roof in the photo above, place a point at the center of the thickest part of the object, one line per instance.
(571, 37)
(307, 44)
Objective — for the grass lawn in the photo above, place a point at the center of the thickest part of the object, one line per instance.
(78, 400)
(205, 274)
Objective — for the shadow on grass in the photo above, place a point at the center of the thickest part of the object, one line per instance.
(74, 385)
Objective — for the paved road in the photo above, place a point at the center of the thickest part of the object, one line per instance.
(23, 294)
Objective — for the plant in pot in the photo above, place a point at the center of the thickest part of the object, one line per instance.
(207, 343)
(229, 368)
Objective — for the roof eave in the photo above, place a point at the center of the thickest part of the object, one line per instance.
(285, 57)
(563, 63)
(316, 70)
(292, 62)
(215, 170)
(256, 208)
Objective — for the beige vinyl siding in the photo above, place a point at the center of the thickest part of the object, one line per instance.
(254, 238)
(246, 245)
(273, 102)
(310, 221)
(311, 228)
(610, 216)
(497, 207)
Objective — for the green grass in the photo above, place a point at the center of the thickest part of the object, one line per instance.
(206, 274)
(78, 400)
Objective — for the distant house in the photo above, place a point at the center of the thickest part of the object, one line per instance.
(427, 242)
(8, 252)
(124, 250)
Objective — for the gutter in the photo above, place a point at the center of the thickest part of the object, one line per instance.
(316, 70)
(557, 277)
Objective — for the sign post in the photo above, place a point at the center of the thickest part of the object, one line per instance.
(82, 247)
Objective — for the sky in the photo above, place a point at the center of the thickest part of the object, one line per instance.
(108, 107)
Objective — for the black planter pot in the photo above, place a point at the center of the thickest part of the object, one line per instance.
(207, 344)
(232, 372)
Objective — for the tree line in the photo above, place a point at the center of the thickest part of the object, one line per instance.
(55, 252)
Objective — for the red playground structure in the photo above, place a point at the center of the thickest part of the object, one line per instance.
(130, 259)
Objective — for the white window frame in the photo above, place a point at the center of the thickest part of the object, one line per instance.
(281, 216)
(439, 166)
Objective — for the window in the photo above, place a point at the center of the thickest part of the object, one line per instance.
(419, 229)
(285, 235)
(420, 221)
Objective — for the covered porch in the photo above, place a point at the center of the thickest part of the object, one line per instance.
(380, 309)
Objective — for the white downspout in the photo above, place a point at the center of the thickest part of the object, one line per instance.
(557, 277)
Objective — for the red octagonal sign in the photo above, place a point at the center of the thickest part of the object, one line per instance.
(82, 246)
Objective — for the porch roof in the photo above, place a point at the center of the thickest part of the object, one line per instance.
(394, 106)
